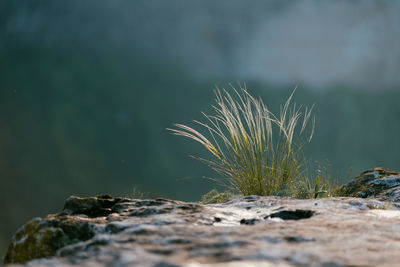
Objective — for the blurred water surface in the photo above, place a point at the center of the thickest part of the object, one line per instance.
(87, 89)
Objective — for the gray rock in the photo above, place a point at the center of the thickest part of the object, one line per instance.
(379, 183)
(245, 231)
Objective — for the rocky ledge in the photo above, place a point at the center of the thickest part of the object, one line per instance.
(246, 231)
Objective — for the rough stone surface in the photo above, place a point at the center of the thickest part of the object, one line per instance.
(246, 231)
(379, 183)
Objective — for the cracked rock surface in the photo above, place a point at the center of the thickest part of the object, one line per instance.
(246, 231)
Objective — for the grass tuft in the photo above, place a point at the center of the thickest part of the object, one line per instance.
(255, 151)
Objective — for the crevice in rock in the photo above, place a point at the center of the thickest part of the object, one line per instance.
(165, 252)
(217, 219)
(297, 239)
(249, 221)
(292, 214)
(148, 211)
(149, 202)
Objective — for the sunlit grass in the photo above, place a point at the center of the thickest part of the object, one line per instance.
(255, 151)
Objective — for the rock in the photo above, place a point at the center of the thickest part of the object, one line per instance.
(42, 237)
(379, 183)
(245, 231)
(83, 219)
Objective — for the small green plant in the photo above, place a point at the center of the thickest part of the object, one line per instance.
(137, 194)
(380, 206)
(216, 197)
(256, 151)
(322, 185)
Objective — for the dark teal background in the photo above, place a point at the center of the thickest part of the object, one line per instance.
(84, 110)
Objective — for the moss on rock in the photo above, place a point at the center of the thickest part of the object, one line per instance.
(42, 237)
(35, 240)
(215, 197)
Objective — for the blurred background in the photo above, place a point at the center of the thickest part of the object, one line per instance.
(88, 88)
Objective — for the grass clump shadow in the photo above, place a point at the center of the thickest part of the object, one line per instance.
(255, 151)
